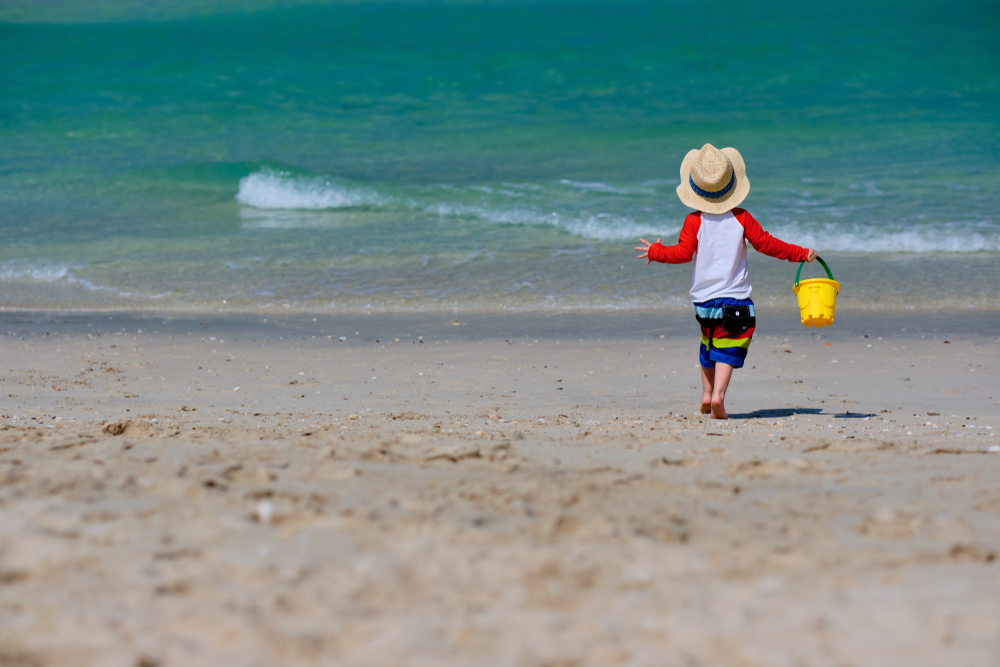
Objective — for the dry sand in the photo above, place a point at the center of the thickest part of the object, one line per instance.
(520, 490)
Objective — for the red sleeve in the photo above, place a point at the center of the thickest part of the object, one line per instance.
(686, 246)
(766, 244)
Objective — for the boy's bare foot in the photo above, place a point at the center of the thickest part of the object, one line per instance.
(718, 409)
(706, 405)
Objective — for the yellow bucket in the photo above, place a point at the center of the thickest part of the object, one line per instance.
(817, 298)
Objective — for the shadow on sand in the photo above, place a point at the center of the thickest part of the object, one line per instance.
(788, 412)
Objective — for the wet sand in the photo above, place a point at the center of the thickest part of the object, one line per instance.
(501, 490)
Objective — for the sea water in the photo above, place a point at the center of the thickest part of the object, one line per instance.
(312, 156)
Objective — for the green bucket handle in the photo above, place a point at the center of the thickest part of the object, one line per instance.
(801, 264)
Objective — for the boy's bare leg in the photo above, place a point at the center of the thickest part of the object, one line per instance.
(723, 374)
(707, 382)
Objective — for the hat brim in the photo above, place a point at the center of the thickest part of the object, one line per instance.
(731, 200)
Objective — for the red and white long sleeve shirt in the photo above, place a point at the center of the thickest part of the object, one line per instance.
(718, 245)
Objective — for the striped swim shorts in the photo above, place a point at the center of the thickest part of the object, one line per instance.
(726, 330)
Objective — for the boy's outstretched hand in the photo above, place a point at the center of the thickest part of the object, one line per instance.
(646, 243)
(809, 258)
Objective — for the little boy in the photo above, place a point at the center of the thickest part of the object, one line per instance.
(714, 182)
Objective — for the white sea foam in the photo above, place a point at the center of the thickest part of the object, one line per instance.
(47, 272)
(512, 216)
(22, 269)
(616, 228)
(104, 288)
(875, 240)
(286, 219)
(599, 227)
(271, 189)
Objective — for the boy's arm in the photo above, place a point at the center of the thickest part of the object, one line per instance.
(768, 245)
(686, 246)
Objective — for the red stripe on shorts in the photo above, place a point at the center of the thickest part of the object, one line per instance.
(717, 333)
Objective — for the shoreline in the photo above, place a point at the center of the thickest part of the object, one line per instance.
(609, 280)
(626, 320)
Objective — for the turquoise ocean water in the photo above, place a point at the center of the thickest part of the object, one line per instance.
(463, 156)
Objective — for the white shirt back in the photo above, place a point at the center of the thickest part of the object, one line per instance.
(720, 265)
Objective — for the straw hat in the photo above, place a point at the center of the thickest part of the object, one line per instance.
(713, 181)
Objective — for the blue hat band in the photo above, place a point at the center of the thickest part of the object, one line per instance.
(713, 195)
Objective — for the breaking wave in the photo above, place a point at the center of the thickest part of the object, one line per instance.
(272, 189)
(281, 200)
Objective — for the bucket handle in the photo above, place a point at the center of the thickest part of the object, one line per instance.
(801, 264)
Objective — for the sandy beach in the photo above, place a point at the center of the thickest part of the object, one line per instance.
(522, 489)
